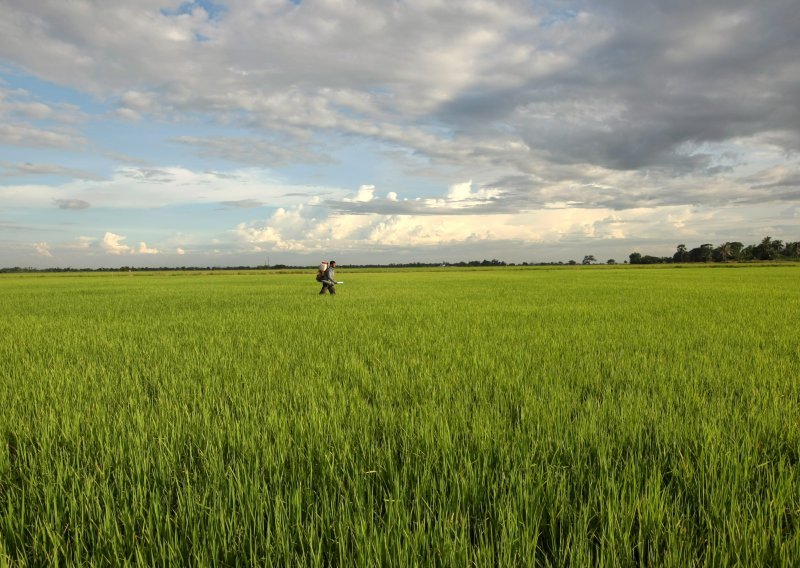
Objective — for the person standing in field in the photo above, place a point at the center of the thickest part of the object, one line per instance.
(329, 280)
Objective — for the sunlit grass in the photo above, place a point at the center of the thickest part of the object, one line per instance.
(575, 416)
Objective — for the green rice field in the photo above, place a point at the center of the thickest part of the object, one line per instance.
(587, 416)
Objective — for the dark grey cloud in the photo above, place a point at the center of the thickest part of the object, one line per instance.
(791, 180)
(666, 75)
(621, 84)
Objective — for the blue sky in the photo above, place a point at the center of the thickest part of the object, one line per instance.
(157, 133)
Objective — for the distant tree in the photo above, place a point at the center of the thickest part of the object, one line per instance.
(763, 250)
(611, 261)
(588, 259)
(792, 250)
(571, 262)
(681, 255)
(736, 249)
(703, 253)
(768, 249)
(727, 251)
(723, 253)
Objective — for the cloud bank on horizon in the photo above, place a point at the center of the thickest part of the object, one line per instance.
(222, 132)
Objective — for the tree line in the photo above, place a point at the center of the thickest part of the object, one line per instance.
(767, 249)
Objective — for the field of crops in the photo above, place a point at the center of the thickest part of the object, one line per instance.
(584, 416)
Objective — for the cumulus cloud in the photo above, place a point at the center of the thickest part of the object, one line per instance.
(307, 227)
(112, 244)
(570, 229)
(364, 194)
(294, 229)
(462, 195)
(461, 198)
(144, 249)
(42, 249)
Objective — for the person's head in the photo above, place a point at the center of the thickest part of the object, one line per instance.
(332, 263)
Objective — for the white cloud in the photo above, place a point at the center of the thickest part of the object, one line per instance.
(304, 228)
(144, 249)
(364, 194)
(285, 230)
(462, 195)
(310, 228)
(112, 244)
(42, 249)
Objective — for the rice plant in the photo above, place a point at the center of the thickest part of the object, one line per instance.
(590, 416)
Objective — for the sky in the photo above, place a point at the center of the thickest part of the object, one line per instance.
(241, 132)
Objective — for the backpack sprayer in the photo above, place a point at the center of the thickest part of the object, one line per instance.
(323, 267)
